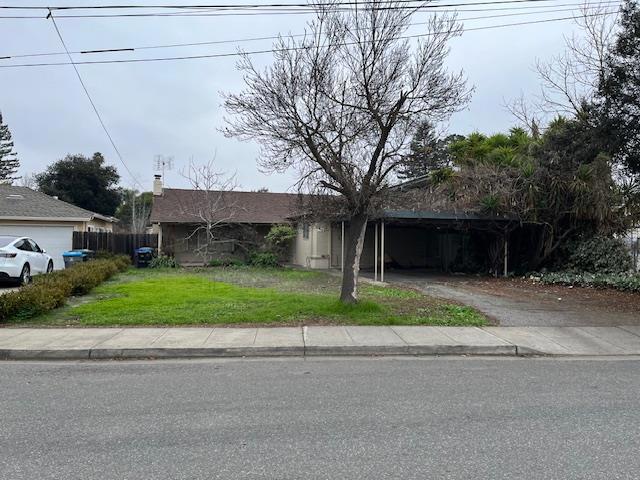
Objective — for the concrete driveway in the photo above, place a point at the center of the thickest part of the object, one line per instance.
(516, 302)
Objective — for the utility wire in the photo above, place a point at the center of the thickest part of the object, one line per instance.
(275, 37)
(258, 52)
(93, 105)
(233, 9)
(240, 5)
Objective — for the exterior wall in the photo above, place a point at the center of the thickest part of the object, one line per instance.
(96, 225)
(336, 245)
(314, 250)
(180, 241)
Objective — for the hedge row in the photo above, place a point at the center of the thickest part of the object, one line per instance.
(629, 282)
(51, 291)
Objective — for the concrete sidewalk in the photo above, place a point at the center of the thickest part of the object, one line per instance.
(110, 343)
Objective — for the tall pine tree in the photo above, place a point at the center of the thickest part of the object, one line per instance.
(428, 152)
(9, 162)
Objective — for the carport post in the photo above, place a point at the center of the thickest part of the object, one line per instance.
(506, 255)
(375, 252)
(342, 248)
(382, 251)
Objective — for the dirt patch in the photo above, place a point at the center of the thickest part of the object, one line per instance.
(524, 302)
(524, 288)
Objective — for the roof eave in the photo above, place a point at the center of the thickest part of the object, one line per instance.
(46, 219)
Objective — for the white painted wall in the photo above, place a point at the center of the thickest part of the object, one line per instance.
(312, 252)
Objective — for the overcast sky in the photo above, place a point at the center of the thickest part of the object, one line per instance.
(174, 108)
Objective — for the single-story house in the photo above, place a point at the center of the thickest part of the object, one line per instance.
(241, 220)
(399, 238)
(47, 220)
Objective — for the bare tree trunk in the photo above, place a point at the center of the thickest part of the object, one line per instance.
(353, 251)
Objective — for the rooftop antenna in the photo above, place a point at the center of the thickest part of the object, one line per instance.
(162, 163)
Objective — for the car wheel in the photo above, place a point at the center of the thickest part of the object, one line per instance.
(50, 267)
(25, 276)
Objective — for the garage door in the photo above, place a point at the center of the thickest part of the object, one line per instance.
(54, 239)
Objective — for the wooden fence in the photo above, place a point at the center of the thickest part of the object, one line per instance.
(121, 243)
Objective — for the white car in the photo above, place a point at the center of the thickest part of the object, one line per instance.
(21, 258)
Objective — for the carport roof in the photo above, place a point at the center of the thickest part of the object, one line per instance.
(432, 215)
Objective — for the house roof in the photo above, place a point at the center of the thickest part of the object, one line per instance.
(22, 203)
(189, 206)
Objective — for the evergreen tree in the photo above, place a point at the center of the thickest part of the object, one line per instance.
(9, 162)
(619, 90)
(85, 182)
(428, 152)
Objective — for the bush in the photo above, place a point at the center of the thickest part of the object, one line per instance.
(51, 291)
(629, 282)
(106, 255)
(280, 237)
(600, 255)
(163, 261)
(263, 259)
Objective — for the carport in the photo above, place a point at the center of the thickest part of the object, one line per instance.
(426, 240)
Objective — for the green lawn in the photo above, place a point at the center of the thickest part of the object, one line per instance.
(246, 296)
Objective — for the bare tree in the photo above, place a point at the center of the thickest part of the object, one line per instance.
(570, 80)
(210, 203)
(530, 116)
(340, 105)
(28, 180)
(140, 212)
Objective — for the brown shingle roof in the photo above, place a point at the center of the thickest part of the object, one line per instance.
(185, 206)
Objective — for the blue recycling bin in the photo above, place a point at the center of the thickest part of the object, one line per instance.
(142, 256)
(77, 256)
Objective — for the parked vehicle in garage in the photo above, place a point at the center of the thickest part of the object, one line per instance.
(21, 258)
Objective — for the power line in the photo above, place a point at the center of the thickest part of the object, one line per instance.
(258, 52)
(93, 105)
(275, 37)
(240, 5)
(232, 10)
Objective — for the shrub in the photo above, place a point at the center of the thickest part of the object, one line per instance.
(620, 281)
(279, 239)
(51, 291)
(263, 259)
(163, 261)
(105, 255)
(600, 255)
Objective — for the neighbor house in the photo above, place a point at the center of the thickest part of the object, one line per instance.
(47, 220)
(400, 236)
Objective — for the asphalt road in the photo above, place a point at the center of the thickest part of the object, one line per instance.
(434, 418)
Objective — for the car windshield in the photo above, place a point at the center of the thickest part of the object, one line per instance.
(4, 241)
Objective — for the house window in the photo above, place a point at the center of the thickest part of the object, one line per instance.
(305, 231)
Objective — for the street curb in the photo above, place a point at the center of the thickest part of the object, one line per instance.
(412, 350)
(220, 352)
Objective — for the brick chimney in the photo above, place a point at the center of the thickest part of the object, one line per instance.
(157, 185)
